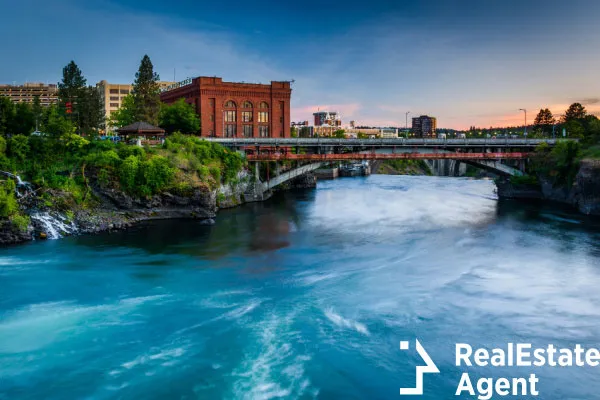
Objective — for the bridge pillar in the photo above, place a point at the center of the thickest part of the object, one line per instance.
(522, 165)
(256, 172)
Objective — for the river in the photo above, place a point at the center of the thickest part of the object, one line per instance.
(304, 296)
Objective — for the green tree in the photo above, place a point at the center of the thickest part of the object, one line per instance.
(7, 115)
(23, 122)
(294, 132)
(91, 117)
(18, 148)
(56, 124)
(340, 134)
(179, 117)
(575, 128)
(125, 115)
(146, 92)
(544, 120)
(575, 112)
(304, 131)
(70, 89)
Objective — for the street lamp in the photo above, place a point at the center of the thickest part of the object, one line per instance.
(406, 122)
(525, 111)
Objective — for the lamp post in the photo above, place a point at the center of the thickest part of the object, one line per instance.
(525, 111)
(406, 122)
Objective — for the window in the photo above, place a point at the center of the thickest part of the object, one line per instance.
(246, 116)
(263, 116)
(281, 105)
(124, 91)
(281, 133)
(229, 130)
(114, 91)
(114, 98)
(263, 104)
(211, 102)
(281, 119)
(229, 116)
(263, 131)
(115, 105)
(212, 117)
(247, 130)
(246, 104)
(229, 104)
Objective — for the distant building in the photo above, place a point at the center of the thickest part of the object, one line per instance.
(25, 93)
(389, 133)
(424, 126)
(327, 118)
(112, 94)
(236, 109)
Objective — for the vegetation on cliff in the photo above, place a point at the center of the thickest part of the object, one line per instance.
(68, 162)
(404, 167)
(559, 165)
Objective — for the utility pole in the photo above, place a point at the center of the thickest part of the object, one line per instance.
(525, 111)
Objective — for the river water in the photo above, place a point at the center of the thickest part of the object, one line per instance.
(304, 296)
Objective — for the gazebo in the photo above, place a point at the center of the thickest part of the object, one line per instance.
(144, 131)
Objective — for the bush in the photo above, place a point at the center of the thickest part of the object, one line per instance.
(21, 222)
(18, 147)
(155, 175)
(108, 158)
(8, 201)
(128, 172)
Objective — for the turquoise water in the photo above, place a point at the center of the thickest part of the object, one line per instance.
(305, 296)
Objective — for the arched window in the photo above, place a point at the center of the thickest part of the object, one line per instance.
(229, 104)
(263, 104)
(246, 104)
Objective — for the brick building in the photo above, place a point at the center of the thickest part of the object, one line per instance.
(424, 126)
(232, 109)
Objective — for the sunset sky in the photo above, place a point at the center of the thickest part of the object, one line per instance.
(465, 62)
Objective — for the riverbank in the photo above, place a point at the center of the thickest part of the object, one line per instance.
(583, 194)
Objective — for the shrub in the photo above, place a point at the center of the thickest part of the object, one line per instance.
(21, 222)
(8, 201)
(128, 172)
(18, 147)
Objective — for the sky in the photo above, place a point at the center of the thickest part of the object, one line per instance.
(466, 62)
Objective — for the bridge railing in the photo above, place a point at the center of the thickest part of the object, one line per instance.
(416, 142)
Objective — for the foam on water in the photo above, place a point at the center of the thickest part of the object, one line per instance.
(342, 322)
(272, 368)
(55, 225)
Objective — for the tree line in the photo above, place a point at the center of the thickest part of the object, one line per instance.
(80, 109)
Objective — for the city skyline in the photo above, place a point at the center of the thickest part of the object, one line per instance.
(466, 64)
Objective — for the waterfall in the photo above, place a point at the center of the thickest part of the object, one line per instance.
(23, 188)
(54, 224)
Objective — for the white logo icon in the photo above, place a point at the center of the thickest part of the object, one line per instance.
(428, 368)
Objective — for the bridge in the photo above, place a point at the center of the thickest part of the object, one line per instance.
(504, 156)
(240, 143)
